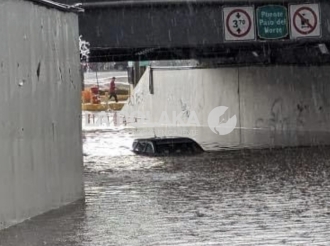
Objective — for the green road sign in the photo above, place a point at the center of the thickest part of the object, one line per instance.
(141, 63)
(272, 22)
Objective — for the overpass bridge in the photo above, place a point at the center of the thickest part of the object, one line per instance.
(201, 29)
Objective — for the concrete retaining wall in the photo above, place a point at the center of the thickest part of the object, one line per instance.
(290, 104)
(40, 127)
(275, 106)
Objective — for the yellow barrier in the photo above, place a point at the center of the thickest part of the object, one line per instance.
(105, 104)
(102, 107)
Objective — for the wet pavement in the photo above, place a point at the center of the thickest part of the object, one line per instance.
(248, 197)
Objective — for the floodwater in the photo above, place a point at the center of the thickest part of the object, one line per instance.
(248, 197)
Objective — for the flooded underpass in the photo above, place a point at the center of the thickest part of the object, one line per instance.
(246, 197)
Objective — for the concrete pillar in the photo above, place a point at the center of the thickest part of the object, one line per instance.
(41, 140)
(136, 73)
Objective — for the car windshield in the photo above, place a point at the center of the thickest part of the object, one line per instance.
(139, 146)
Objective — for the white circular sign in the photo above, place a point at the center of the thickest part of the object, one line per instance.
(305, 20)
(239, 23)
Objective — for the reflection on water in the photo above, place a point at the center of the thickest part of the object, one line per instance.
(248, 197)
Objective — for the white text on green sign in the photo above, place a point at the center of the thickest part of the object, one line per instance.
(272, 22)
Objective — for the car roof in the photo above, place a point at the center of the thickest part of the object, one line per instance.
(166, 140)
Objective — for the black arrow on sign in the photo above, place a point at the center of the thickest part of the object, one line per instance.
(238, 15)
(238, 31)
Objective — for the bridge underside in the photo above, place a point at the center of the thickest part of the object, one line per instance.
(304, 54)
(159, 30)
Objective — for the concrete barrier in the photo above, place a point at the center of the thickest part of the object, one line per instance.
(275, 106)
(40, 115)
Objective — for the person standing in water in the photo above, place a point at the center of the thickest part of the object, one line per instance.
(113, 89)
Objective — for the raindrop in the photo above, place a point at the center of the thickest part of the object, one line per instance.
(169, 35)
(38, 70)
(21, 82)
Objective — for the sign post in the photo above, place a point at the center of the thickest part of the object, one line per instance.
(272, 22)
(305, 20)
(239, 23)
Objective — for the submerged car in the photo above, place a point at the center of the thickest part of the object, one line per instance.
(166, 146)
